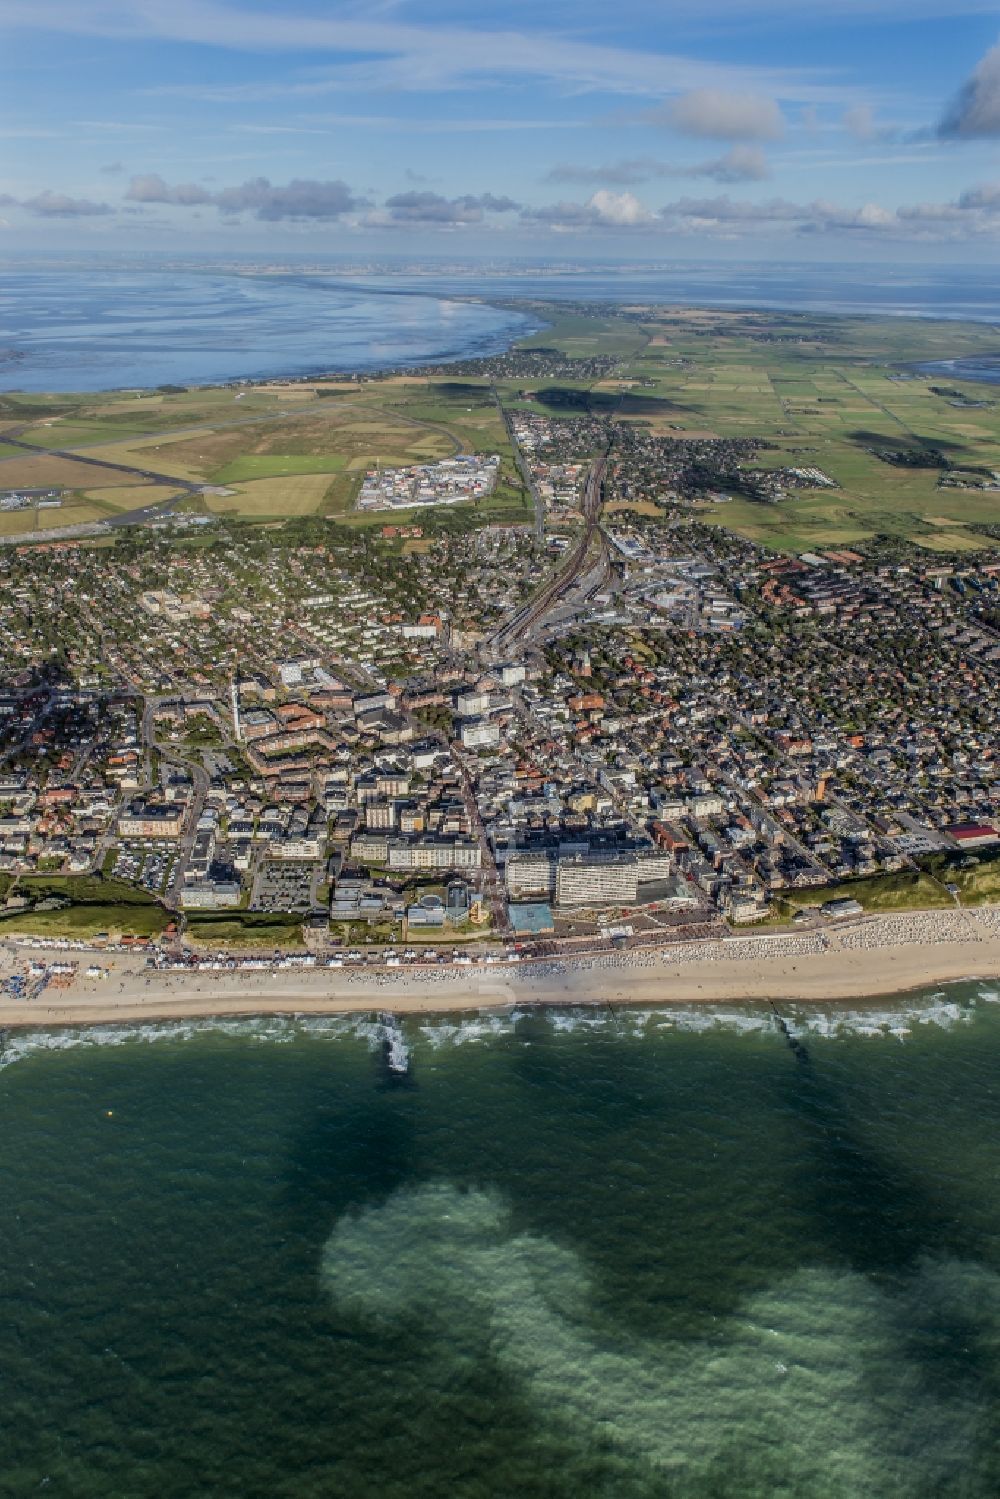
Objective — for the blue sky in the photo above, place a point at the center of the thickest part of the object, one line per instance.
(651, 129)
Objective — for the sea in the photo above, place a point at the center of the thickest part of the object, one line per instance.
(91, 328)
(103, 324)
(679, 1251)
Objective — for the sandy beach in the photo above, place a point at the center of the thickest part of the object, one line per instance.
(869, 959)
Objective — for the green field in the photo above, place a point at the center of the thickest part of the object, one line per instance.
(908, 890)
(88, 921)
(83, 887)
(978, 880)
(97, 905)
(827, 392)
(578, 335)
(244, 929)
(277, 466)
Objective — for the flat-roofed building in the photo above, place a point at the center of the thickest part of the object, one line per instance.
(435, 853)
(597, 880)
(152, 820)
(530, 874)
(480, 734)
(838, 909)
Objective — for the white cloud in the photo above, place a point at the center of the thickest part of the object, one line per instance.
(721, 115)
(975, 214)
(151, 188)
(859, 122)
(48, 205)
(739, 164)
(603, 210)
(619, 208)
(985, 196)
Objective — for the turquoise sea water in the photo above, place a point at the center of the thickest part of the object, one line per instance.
(659, 1253)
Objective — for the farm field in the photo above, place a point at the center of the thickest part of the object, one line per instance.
(838, 393)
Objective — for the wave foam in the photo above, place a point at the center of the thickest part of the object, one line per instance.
(898, 1021)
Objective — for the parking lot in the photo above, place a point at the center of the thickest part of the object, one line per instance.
(281, 886)
(149, 866)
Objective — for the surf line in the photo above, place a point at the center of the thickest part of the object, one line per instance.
(795, 1046)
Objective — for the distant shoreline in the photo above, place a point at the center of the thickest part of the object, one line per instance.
(762, 289)
(864, 963)
(982, 370)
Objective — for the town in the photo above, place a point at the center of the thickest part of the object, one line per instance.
(618, 725)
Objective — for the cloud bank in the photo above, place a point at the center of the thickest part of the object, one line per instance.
(975, 111)
(50, 205)
(739, 164)
(299, 199)
(432, 208)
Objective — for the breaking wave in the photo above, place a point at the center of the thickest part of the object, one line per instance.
(900, 1020)
(269, 1029)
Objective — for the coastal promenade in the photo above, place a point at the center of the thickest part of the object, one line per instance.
(874, 958)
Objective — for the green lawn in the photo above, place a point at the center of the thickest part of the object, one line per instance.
(978, 884)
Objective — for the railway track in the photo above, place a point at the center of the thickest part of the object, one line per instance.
(530, 615)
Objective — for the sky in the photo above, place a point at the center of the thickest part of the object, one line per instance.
(643, 130)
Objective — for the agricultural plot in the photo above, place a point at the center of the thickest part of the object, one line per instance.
(67, 434)
(461, 410)
(579, 336)
(18, 522)
(317, 440)
(840, 394)
(834, 394)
